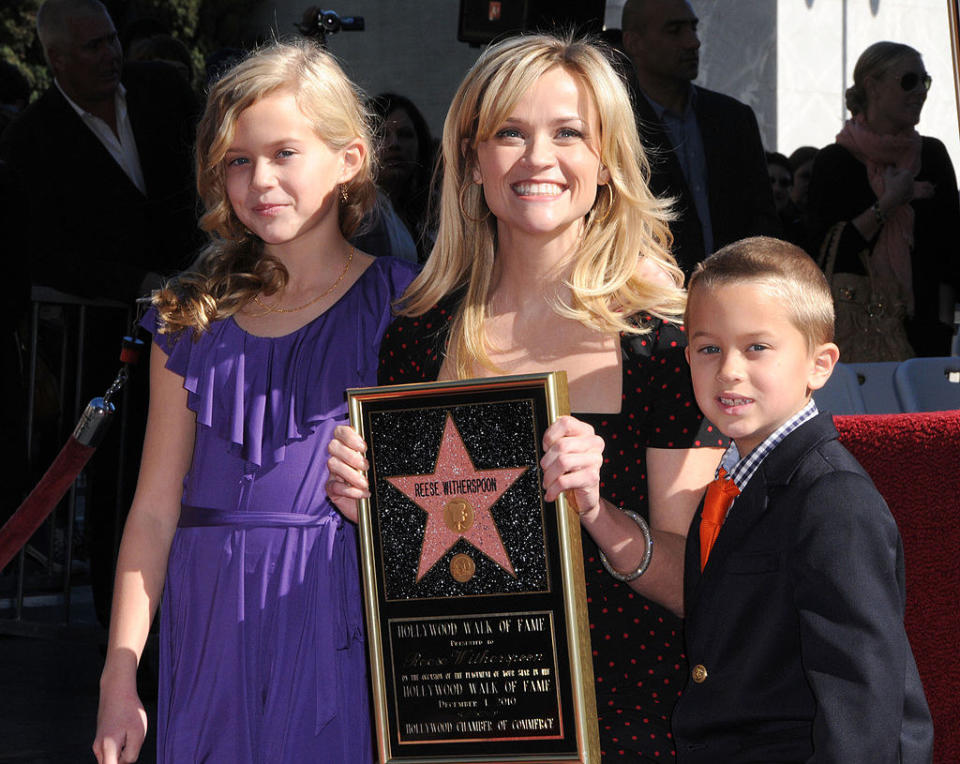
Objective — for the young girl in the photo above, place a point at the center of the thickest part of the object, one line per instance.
(262, 655)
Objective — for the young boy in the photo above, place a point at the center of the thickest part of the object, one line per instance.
(794, 616)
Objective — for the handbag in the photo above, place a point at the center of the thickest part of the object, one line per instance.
(869, 324)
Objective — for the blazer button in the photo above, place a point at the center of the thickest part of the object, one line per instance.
(698, 673)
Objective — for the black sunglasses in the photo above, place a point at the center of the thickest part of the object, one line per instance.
(909, 81)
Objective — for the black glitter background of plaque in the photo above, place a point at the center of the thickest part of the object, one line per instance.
(407, 442)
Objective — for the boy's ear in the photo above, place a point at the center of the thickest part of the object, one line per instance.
(352, 160)
(686, 354)
(825, 357)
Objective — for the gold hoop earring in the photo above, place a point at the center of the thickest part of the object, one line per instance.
(463, 210)
(599, 219)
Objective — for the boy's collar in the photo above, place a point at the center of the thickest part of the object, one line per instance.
(741, 469)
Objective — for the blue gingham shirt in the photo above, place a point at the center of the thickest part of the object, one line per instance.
(740, 469)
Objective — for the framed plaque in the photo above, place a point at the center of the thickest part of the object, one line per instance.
(473, 584)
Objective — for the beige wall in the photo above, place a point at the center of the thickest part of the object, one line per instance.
(789, 59)
(409, 47)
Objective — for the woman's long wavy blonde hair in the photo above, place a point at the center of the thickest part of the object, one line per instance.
(233, 267)
(626, 220)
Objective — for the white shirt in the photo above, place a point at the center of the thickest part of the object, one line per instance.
(123, 148)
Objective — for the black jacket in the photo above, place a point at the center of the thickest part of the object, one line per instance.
(740, 198)
(87, 229)
(797, 619)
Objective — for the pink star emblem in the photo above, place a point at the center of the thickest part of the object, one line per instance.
(457, 498)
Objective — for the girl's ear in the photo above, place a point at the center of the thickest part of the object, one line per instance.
(352, 160)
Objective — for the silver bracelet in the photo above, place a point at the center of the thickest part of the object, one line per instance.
(647, 555)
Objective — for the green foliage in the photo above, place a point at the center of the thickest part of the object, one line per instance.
(19, 44)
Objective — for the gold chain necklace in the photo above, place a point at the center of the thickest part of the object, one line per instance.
(276, 309)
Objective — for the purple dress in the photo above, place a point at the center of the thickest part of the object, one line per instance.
(262, 648)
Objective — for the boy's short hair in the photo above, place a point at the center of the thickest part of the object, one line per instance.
(784, 268)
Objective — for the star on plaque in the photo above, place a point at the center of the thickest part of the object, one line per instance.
(457, 498)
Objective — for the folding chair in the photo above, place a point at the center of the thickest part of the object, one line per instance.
(877, 388)
(841, 394)
(928, 384)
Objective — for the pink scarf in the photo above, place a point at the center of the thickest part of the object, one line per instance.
(891, 254)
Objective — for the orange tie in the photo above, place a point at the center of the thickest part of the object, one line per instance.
(720, 495)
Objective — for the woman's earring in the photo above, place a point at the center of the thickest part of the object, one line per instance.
(344, 196)
(463, 210)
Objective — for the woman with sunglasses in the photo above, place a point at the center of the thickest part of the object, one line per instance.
(895, 190)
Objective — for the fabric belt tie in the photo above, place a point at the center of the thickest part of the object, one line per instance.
(720, 495)
(200, 517)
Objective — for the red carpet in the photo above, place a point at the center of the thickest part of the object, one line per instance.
(914, 460)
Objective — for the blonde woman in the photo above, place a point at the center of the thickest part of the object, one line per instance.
(547, 230)
(895, 191)
(262, 652)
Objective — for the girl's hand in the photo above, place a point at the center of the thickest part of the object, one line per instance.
(347, 466)
(571, 462)
(121, 726)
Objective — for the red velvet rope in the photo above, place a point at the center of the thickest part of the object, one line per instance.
(42, 499)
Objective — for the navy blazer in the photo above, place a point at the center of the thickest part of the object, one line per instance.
(738, 185)
(89, 230)
(794, 629)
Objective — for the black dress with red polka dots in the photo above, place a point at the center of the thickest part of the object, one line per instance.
(638, 659)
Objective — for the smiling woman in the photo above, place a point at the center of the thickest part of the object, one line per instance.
(540, 171)
(553, 254)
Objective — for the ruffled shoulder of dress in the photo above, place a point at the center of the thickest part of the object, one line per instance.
(175, 344)
(261, 393)
(661, 336)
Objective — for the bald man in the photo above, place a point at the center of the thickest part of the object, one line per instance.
(705, 147)
(101, 178)
(103, 161)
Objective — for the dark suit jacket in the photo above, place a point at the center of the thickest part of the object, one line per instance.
(741, 201)
(798, 620)
(89, 230)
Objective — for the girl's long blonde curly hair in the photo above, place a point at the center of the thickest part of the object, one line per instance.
(627, 221)
(233, 267)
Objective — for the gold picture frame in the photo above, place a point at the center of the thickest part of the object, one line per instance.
(477, 627)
